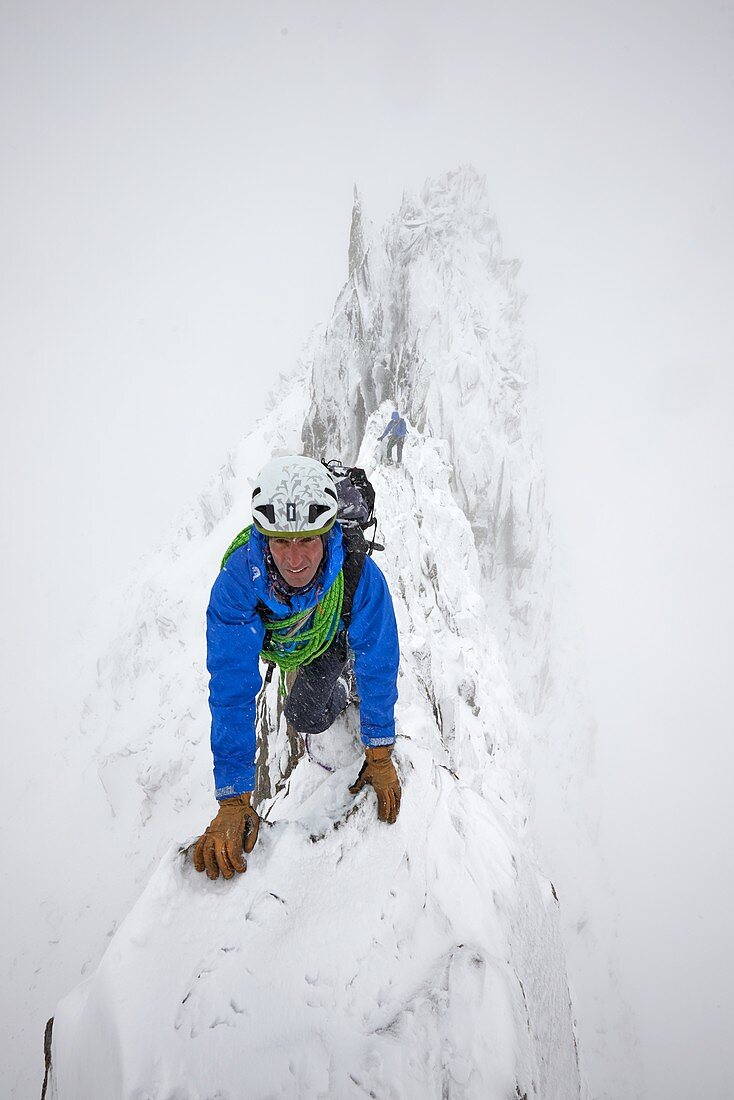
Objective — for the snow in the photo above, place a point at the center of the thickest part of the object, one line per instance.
(424, 959)
(354, 958)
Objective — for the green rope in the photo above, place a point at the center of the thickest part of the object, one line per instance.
(237, 541)
(289, 643)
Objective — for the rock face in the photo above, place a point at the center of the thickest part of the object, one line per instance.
(353, 958)
(430, 322)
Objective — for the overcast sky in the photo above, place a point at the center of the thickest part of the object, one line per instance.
(176, 192)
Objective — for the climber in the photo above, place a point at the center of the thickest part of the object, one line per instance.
(291, 595)
(397, 429)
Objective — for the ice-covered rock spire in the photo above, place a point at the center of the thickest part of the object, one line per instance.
(356, 237)
(430, 320)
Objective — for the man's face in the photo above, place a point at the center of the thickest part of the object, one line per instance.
(297, 559)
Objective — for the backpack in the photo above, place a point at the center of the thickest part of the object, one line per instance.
(355, 514)
(356, 506)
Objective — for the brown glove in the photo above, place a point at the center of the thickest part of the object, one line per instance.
(379, 770)
(234, 828)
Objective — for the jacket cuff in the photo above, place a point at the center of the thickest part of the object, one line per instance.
(374, 742)
(241, 784)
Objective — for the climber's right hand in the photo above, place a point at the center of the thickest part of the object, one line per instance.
(233, 829)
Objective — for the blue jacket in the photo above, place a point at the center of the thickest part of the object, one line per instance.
(396, 427)
(235, 634)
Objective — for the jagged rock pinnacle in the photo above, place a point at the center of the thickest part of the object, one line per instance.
(356, 235)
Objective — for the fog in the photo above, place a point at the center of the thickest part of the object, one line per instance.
(177, 186)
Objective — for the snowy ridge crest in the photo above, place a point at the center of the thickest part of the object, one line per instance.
(355, 958)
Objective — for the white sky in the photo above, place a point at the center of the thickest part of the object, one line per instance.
(176, 192)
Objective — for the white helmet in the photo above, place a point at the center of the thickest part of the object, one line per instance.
(294, 496)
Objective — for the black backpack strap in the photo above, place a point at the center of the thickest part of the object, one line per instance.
(354, 554)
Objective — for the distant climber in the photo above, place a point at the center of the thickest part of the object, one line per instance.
(397, 430)
(293, 594)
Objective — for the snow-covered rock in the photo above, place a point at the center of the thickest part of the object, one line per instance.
(430, 320)
(424, 959)
(418, 960)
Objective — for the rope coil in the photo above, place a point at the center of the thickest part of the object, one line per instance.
(290, 643)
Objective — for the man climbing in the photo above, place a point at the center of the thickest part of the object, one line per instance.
(397, 429)
(292, 593)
